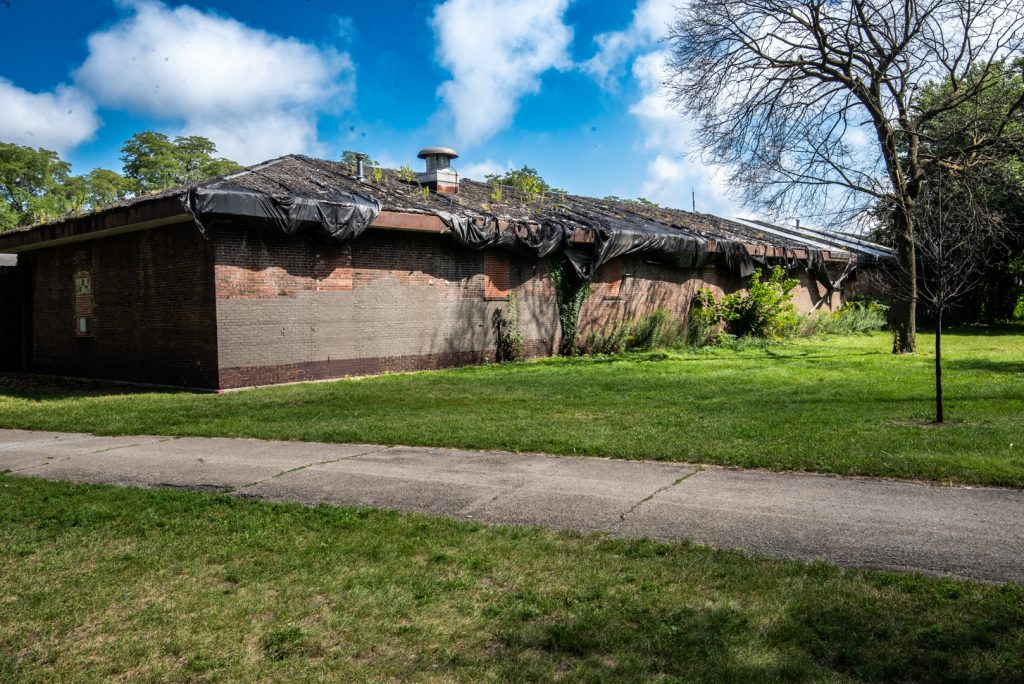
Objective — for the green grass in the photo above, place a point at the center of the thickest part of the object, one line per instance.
(100, 583)
(838, 405)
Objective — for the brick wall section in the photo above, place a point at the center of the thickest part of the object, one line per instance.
(151, 303)
(631, 287)
(168, 306)
(290, 309)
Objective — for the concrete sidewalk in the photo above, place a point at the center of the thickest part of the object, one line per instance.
(971, 532)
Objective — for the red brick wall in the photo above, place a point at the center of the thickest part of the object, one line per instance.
(292, 309)
(242, 308)
(631, 287)
(151, 304)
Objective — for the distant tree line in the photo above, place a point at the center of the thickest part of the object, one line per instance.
(36, 185)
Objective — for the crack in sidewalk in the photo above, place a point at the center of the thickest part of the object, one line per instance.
(656, 492)
(228, 490)
(50, 462)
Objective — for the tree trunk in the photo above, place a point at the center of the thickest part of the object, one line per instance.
(904, 310)
(938, 368)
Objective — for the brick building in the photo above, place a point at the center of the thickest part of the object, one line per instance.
(283, 277)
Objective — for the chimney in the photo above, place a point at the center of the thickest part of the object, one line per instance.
(439, 175)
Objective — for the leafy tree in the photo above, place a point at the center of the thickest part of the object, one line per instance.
(104, 187)
(98, 188)
(782, 89)
(155, 162)
(30, 180)
(993, 184)
(526, 181)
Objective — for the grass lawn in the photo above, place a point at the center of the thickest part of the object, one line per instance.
(839, 405)
(106, 583)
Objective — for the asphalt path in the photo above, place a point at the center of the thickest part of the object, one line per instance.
(972, 532)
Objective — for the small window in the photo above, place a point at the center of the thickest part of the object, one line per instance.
(83, 283)
(84, 326)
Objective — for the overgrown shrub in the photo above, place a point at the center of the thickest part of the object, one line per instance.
(766, 310)
(570, 292)
(657, 330)
(855, 317)
(510, 337)
(705, 321)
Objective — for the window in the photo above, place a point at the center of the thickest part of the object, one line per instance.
(83, 304)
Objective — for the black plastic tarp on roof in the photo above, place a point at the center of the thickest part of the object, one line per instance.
(613, 237)
(335, 217)
(516, 236)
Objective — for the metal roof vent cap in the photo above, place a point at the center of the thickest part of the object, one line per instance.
(439, 175)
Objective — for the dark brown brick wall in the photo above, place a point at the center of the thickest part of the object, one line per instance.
(151, 303)
(631, 287)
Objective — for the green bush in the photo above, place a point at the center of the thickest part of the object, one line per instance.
(766, 310)
(657, 330)
(854, 318)
(704, 323)
(510, 339)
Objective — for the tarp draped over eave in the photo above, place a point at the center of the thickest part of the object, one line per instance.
(613, 237)
(337, 216)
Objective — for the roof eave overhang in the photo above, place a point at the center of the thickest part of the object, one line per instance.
(153, 213)
(169, 210)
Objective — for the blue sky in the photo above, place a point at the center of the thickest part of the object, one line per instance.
(570, 88)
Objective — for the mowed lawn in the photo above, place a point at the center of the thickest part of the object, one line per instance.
(835, 405)
(100, 583)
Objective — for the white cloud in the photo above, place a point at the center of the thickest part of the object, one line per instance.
(58, 121)
(260, 137)
(649, 25)
(480, 170)
(497, 51)
(259, 92)
(674, 173)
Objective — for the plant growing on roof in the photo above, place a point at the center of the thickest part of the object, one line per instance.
(377, 174)
(570, 292)
(406, 174)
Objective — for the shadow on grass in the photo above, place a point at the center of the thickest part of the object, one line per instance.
(41, 388)
(825, 630)
(984, 365)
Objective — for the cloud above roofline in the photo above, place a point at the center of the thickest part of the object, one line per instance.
(58, 120)
(496, 51)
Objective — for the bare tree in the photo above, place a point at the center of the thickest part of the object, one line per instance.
(815, 104)
(954, 237)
